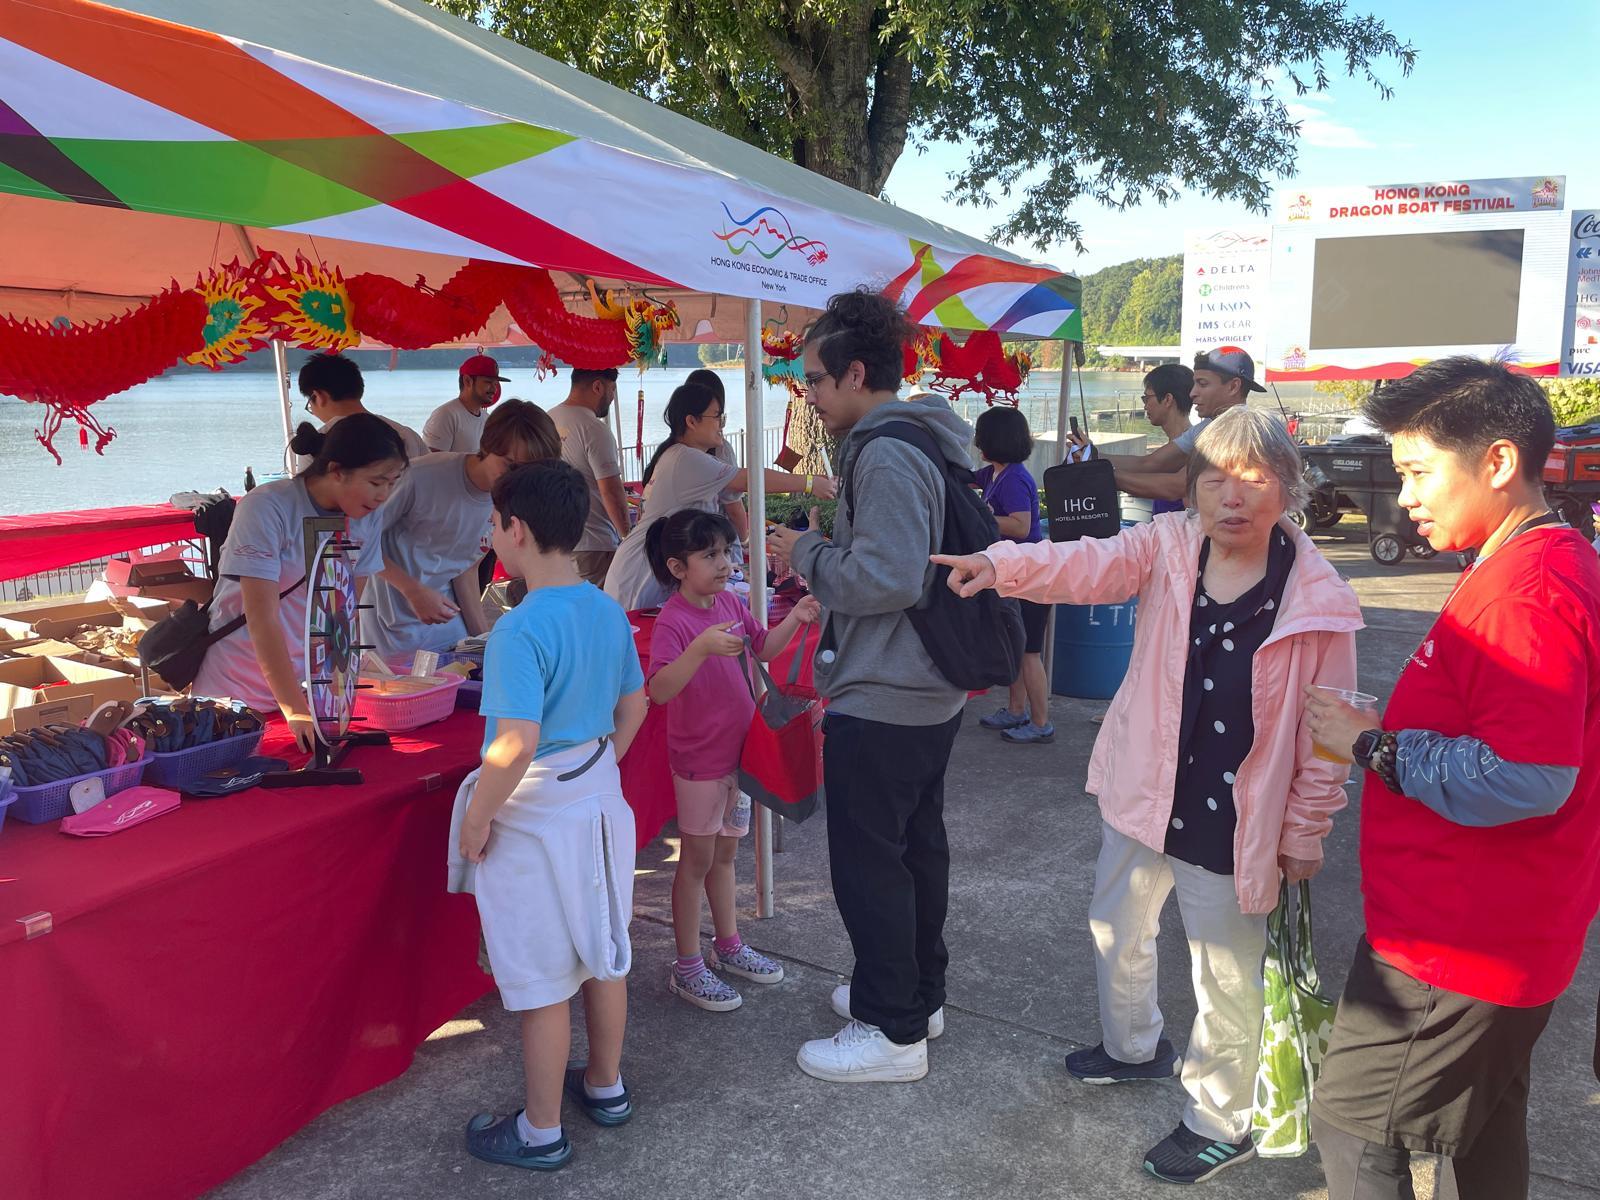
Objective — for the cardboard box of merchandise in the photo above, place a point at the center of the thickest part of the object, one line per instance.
(58, 620)
(39, 691)
(158, 578)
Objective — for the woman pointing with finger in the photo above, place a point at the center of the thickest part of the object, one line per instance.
(1204, 768)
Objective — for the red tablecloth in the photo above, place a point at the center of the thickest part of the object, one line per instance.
(44, 541)
(217, 978)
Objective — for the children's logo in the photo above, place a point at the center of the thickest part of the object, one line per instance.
(1295, 359)
(769, 233)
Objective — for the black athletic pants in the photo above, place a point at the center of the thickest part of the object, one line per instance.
(891, 865)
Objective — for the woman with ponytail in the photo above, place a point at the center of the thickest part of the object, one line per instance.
(353, 467)
(685, 473)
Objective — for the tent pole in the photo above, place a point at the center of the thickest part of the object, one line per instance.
(280, 364)
(756, 565)
(1063, 423)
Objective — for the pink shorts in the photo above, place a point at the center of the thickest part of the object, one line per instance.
(708, 807)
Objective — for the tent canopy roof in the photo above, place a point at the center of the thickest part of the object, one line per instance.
(386, 135)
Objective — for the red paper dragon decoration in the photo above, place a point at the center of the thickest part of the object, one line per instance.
(981, 366)
(235, 309)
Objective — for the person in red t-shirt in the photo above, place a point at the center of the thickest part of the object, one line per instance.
(1480, 815)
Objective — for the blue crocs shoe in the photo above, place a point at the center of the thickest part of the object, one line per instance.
(610, 1112)
(1003, 718)
(498, 1142)
(1030, 734)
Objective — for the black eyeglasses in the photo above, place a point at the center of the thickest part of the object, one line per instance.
(813, 378)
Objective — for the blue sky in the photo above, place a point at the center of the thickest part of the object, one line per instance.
(1500, 89)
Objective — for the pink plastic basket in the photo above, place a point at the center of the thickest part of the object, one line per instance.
(397, 714)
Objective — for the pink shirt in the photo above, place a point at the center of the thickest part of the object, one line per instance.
(708, 720)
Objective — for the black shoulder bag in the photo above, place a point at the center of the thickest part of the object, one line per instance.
(175, 646)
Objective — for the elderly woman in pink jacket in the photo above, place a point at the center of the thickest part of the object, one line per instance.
(1204, 767)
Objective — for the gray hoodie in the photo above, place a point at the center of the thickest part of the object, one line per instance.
(868, 575)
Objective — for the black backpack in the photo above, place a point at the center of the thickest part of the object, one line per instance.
(976, 643)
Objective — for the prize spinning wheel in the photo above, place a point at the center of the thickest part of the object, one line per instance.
(333, 658)
(333, 641)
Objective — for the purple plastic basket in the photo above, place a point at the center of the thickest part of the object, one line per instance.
(6, 797)
(470, 694)
(179, 768)
(52, 801)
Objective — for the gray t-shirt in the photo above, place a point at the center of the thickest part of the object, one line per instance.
(684, 478)
(1185, 440)
(435, 526)
(588, 445)
(415, 447)
(267, 541)
(451, 428)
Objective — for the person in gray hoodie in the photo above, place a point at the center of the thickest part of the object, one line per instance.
(892, 717)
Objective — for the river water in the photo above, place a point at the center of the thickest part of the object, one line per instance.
(196, 432)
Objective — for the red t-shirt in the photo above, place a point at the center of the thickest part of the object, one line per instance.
(1499, 914)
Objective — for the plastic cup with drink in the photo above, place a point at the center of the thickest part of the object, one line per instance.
(1357, 700)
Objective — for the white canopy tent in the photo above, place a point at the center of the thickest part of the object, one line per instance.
(155, 141)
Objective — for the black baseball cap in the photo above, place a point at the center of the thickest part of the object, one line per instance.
(1230, 361)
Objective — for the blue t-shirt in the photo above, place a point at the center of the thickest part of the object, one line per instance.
(563, 658)
(1014, 492)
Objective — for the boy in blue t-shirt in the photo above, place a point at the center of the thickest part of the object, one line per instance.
(563, 697)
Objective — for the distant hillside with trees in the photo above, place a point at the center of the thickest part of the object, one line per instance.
(1136, 303)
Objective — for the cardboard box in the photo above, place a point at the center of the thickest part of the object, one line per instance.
(49, 648)
(42, 691)
(58, 620)
(158, 578)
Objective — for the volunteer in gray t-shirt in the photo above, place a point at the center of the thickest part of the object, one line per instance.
(587, 444)
(334, 389)
(1223, 378)
(457, 427)
(263, 564)
(436, 532)
(686, 473)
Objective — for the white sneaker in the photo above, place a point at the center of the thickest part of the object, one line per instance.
(841, 1005)
(861, 1054)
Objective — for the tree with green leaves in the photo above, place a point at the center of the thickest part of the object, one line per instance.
(1122, 101)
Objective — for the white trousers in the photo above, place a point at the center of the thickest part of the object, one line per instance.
(1226, 948)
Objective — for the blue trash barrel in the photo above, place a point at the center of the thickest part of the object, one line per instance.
(1093, 645)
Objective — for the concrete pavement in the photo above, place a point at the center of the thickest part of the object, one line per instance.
(724, 1111)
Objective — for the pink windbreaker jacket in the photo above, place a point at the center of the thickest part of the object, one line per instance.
(1285, 795)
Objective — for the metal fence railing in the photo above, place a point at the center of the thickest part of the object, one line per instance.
(66, 583)
(634, 458)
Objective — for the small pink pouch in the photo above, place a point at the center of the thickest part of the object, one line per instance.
(122, 811)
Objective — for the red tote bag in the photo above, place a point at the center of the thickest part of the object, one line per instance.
(781, 766)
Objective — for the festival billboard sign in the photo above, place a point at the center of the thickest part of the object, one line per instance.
(1225, 281)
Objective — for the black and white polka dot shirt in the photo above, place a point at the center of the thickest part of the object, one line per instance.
(1218, 728)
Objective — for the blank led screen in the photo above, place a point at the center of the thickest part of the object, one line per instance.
(1417, 289)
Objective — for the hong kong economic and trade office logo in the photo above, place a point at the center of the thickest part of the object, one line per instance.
(768, 233)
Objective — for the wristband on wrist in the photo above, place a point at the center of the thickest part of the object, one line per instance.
(811, 482)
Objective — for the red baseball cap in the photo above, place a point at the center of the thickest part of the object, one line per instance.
(482, 367)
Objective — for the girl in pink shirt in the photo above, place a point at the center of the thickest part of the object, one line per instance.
(696, 670)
